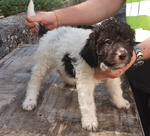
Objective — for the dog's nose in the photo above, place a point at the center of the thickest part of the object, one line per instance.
(122, 54)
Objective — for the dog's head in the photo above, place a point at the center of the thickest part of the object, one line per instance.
(110, 45)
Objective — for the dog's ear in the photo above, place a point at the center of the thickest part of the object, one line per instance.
(88, 52)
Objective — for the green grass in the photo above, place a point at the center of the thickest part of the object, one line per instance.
(11, 7)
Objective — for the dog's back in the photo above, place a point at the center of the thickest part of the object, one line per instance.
(60, 48)
(58, 42)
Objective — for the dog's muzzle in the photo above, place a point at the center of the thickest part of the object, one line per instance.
(123, 57)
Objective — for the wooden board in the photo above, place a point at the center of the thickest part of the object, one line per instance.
(57, 113)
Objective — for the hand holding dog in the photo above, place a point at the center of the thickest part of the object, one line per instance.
(48, 19)
(76, 15)
(103, 75)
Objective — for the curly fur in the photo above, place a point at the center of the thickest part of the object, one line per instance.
(75, 52)
(107, 38)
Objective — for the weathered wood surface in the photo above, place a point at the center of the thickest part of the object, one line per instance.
(57, 113)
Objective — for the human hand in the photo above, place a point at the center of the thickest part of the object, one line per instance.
(48, 19)
(103, 75)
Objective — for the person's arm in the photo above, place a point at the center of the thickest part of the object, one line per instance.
(88, 12)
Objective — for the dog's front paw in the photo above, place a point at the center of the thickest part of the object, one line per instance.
(90, 124)
(29, 104)
(122, 103)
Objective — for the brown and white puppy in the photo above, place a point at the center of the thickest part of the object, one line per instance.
(75, 53)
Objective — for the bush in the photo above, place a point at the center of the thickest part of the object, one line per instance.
(11, 7)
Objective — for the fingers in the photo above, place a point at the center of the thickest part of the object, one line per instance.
(102, 75)
(48, 19)
(30, 25)
(32, 19)
(133, 59)
(116, 73)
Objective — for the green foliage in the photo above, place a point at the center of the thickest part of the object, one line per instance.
(11, 7)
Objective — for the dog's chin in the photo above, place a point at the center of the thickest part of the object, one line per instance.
(121, 63)
(119, 66)
(105, 67)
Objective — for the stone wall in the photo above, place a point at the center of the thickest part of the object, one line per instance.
(13, 33)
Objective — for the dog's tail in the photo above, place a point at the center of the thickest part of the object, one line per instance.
(31, 12)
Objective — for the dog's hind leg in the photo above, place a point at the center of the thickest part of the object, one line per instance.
(114, 88)
(38, 73)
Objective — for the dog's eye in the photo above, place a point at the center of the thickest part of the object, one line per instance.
(108, 41)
